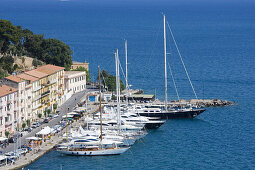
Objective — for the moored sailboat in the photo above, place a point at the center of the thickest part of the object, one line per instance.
(166, 112)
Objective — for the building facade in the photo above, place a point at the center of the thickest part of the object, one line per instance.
(75, 81)
(8, 109)
(19, 84)
(76, 64)
(50, 89)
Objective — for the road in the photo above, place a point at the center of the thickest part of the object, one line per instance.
(70, 103)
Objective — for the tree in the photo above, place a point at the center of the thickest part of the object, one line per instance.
(6, 134)
(23, 125)
(45, 113)
(39, 115)
(2, 73)
(83, 69)
(34, 62)
(103, 76)
(28, 122)
(48, 112)
(56, 52)
(111, 83)
(15, 40)
(55, 106)
(7, 63)
(23, 60)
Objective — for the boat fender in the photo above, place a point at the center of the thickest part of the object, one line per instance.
(90, 153)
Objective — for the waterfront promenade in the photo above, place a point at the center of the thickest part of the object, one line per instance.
(70, 103)
(49, 144)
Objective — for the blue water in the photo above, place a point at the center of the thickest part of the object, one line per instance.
(216, 40)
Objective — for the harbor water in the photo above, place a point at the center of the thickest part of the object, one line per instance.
(216, 40)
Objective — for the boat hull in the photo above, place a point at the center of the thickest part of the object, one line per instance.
(153, 124)
(103, 152)
(181, 114)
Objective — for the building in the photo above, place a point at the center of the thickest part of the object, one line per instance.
(51, 87)
(107, 96)
(75, 81)
(8, 109)
(37, 90)
(33, 95)
(19, 84)
(79, 64)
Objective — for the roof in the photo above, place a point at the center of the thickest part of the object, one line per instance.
(76, 62)
(4, 90)
(49, 69)
(68, 73)
(36, 73)
(27, 77)
(14, 78)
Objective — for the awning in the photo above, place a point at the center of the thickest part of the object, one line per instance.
(45, 131)
(2, 139)
(33, 138)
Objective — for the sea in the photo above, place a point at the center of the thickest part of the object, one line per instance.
(216, 40)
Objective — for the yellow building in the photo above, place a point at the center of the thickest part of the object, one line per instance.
(51, 83)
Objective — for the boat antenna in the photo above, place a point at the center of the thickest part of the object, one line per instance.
(164, 18)
(100, 108)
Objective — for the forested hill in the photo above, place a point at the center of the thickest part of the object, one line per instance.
(22, 42)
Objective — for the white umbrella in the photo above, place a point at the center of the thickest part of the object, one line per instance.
(33, 138)
(2, 139)
(45, 131)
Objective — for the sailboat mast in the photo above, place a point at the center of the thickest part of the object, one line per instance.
(127, 88)
(100, 108)
(165, 62)
(66, 130)
(117, 87)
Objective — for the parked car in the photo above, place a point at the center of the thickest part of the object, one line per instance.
(34, 125)
(12, 140)
(28, 129)
(55, 115)
(46, 121)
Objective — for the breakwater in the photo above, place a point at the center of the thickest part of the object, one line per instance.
(199, 102)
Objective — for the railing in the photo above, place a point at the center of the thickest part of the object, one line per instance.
(37, 97)
(45, 93)
(37, 88)
(37, 106)
(53, 81)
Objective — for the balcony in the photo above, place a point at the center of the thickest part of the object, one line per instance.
(37, 88)
(37, 106)
(45, 93)
(37, 97)
(53, 81)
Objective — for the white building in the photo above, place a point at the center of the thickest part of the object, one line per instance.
(8, 109)
(75, 81)
(20, 84)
